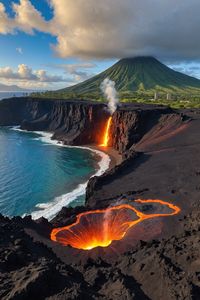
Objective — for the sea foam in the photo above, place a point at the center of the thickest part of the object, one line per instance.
(50, 209)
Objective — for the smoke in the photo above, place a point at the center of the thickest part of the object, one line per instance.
(109, 91)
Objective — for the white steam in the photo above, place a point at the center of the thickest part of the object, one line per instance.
(109, 91)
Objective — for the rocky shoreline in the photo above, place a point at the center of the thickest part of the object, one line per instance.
(158, 260)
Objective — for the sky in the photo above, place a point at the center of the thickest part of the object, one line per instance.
(51, 44)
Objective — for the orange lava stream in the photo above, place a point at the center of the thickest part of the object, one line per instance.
(106, 135)
(100, 227)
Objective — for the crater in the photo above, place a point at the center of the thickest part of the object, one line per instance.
(99, 228)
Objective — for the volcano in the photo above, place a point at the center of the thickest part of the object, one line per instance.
(139, 74)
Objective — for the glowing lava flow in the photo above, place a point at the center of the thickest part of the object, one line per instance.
(99, 228)
(106, 135)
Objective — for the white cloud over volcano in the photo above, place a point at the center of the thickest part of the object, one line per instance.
(113, 28)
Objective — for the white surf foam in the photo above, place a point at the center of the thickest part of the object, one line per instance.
(50, 209)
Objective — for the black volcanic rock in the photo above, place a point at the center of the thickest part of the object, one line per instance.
(160, 149)
(95, 183)
(166, 269)
(73, 122)
(82, 122)
(130, 123)
(29, 270)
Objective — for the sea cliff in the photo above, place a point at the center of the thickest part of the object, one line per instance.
(160, 160)
(82, 122)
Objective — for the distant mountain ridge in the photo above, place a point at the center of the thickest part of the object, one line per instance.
(11, 88)
(139, 74)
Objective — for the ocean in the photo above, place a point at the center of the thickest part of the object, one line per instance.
(39, 176)
(4, 95)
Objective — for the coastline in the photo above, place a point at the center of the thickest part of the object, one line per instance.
(107, 160)
(159, 172)
(115, 157)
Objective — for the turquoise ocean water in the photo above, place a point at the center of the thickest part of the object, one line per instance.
(38, 177)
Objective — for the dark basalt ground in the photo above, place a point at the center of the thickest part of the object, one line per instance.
(158, 269)
(158, 259)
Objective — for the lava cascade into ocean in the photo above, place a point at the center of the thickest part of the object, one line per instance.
(106, 134)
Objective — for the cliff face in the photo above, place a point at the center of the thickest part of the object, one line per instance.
(134, 133)
(82, 122)
(73, 122)
(129, 125)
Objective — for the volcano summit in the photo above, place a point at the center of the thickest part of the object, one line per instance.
(138, 74)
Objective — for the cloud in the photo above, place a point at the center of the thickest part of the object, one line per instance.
(25, 73)
(27, 19)
(44, 77)
(190, 69)
(6, 25)
(113, 28)
(19, 50)
(79, 71)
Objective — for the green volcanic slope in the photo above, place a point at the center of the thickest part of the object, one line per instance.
(139, 74)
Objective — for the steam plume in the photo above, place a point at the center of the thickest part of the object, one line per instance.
(109, 91)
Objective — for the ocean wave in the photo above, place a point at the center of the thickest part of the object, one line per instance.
(50, 209)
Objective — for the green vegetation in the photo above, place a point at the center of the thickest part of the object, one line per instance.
(137, 80)
(181, 101)
(177, 104)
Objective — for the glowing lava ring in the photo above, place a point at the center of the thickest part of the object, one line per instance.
(98, 228)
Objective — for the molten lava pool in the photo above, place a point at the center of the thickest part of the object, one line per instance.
(99, 228)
